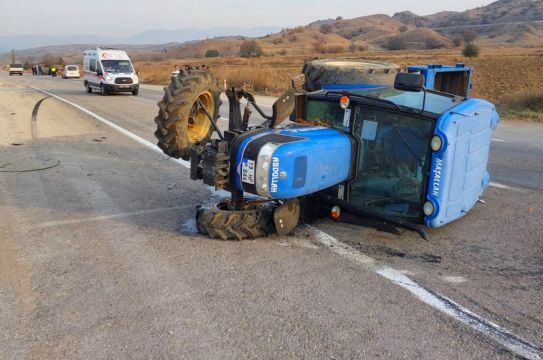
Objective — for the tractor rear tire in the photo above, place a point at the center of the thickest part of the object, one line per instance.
(219, 221)
(181, 122)
(330, 71)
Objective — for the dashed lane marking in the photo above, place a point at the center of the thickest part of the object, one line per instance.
(506, 187)
(508, 340)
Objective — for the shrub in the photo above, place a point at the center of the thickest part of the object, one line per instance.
(396, 43)
(296, 30)
(526, 105)
(362, 47)
(282, 52)
(470, 50)
(403, 29)
(250, 48)
(339, 18)
(327, 49)
(433, 43)
(212, 53)
(353, 47)
(325, 28)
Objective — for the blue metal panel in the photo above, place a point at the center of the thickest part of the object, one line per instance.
(430, 71)
(458, 173)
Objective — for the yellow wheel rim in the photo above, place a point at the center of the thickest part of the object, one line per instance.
(199, 124)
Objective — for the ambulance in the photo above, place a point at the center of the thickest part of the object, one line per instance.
(109, 71)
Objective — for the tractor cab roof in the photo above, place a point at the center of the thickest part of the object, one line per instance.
(435, 102)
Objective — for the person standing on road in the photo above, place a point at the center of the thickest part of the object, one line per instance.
(53, 71)
(175, 71)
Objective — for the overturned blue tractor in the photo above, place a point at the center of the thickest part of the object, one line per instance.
(361, 141)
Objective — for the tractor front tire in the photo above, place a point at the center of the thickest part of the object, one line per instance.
(219, 221)
(181, 122)
(331, 71)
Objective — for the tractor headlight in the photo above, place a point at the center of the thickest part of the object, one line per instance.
(428, 208)
(436, 143)
(263, 163)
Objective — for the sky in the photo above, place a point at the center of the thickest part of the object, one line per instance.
(115, 18)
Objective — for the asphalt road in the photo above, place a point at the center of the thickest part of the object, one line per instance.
(99, 256)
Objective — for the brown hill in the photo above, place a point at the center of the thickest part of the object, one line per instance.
(499, 12)
(410, 19)
(366, 28)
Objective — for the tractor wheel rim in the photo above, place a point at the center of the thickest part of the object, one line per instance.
(199, 123)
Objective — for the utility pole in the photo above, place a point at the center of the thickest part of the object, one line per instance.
(13, 57)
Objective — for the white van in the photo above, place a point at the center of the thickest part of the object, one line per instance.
(109, 70)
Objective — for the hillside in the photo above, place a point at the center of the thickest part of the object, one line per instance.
(499, 12)
(504, 22)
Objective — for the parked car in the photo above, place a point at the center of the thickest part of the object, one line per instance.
(16, 69)
(71, 71)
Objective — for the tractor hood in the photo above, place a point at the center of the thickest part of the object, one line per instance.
(292, 162)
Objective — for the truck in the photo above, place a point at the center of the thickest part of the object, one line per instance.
(359, 139)
(109, 71)
(16, 69)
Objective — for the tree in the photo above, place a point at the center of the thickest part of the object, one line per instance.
(325, 28)
(469, 35)
(339, 18)
(250, 48)
(470, 50)
(403, 28)
(212, 53)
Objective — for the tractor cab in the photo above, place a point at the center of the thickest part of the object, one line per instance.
(421, 153)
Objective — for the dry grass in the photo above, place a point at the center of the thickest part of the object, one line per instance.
(526, 105)
(502, 75)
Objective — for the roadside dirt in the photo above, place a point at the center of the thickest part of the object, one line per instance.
(16, 125)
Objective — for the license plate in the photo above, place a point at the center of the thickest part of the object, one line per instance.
(248, 171)
(125, 86)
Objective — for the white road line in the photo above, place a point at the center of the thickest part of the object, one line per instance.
(507, 339)
(439, 302)
(113, 216)
(122, 130)
(139, 98)
(499, 140)
(506, 187)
